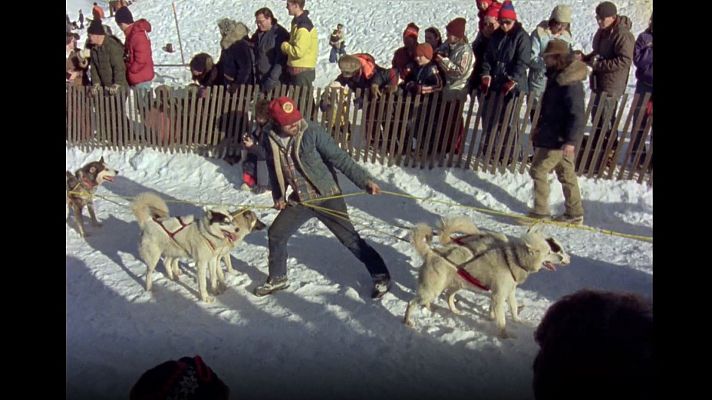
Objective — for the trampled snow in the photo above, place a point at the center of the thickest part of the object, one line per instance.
(324, 337)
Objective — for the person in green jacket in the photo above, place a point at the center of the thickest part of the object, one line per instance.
(107, 60)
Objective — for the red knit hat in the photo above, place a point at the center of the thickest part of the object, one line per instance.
(493, 10)
(283, 111)
(424, 50)
(411, 30)
(507, 11)
(456, 27)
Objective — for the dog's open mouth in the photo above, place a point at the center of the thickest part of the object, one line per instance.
(109, 178)
(550, 266)
(230, 236)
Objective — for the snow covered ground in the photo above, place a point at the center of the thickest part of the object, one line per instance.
(324, 337)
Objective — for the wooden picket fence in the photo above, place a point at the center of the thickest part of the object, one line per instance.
(487, 133)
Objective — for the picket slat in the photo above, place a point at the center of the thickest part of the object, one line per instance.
(378, 130)
(418, 134)
(386, 135)
(598, 146)
(352, 128)
(394, 129)
(609, 146)
(509, 156)
(424, 141)
(394, 137)
(475, 138)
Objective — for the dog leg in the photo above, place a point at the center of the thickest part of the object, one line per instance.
(202, 267)
(451, 303)
(176, 269)
(498, 303)
(408, 311)
(151, 259)
(79, 220)
(222, 286)
(168, 265)
(513, 306)
(90, 207)
(228, 263)
(217, 279)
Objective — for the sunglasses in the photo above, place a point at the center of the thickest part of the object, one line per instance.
(506, 21)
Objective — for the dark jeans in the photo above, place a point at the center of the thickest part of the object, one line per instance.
(493, 119)
(291, 218)
(305, 79)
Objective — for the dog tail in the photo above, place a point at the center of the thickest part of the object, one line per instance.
(421, 237)
(148, 205)
(456, 225)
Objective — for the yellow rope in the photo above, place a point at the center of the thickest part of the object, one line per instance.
(343, 215)
(129, 198)
(524, 217)
(308, 203)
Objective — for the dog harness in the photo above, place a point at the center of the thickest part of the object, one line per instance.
(462, 242)
(461, 271)
(466, 276)
(86, 184)
(169, 233)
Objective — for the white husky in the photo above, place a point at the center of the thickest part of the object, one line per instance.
(487, 260)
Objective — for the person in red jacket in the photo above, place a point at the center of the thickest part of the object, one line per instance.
(137, 49)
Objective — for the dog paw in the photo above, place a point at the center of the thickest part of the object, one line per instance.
(208, 299)
(504, 335)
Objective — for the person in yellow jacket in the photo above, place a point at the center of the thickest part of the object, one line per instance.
(302, 47)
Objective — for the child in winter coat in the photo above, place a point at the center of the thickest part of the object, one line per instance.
(337, 43)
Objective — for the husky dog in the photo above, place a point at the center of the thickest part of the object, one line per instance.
(81, 187)
(204, 240)
(245, 222)
(487, 260)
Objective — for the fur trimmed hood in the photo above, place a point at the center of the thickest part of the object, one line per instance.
(231, 31)
(575, 72)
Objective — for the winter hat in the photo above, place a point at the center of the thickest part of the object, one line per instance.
(493, 10)
(95, 28)
(456, 27)
(556, 46)
(123, 16)
(561, 13)
(479, 3)
(507, 11)
(283, 111)
(606, 9)
(201, 62)
(349, 65)
(411, 30)
(424, 50)
(187, 378)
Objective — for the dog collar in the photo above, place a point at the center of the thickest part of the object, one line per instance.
(87, 183)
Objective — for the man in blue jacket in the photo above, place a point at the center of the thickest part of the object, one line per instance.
(302, 155)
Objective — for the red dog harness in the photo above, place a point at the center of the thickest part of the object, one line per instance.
(466, 275)
(169, 233)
